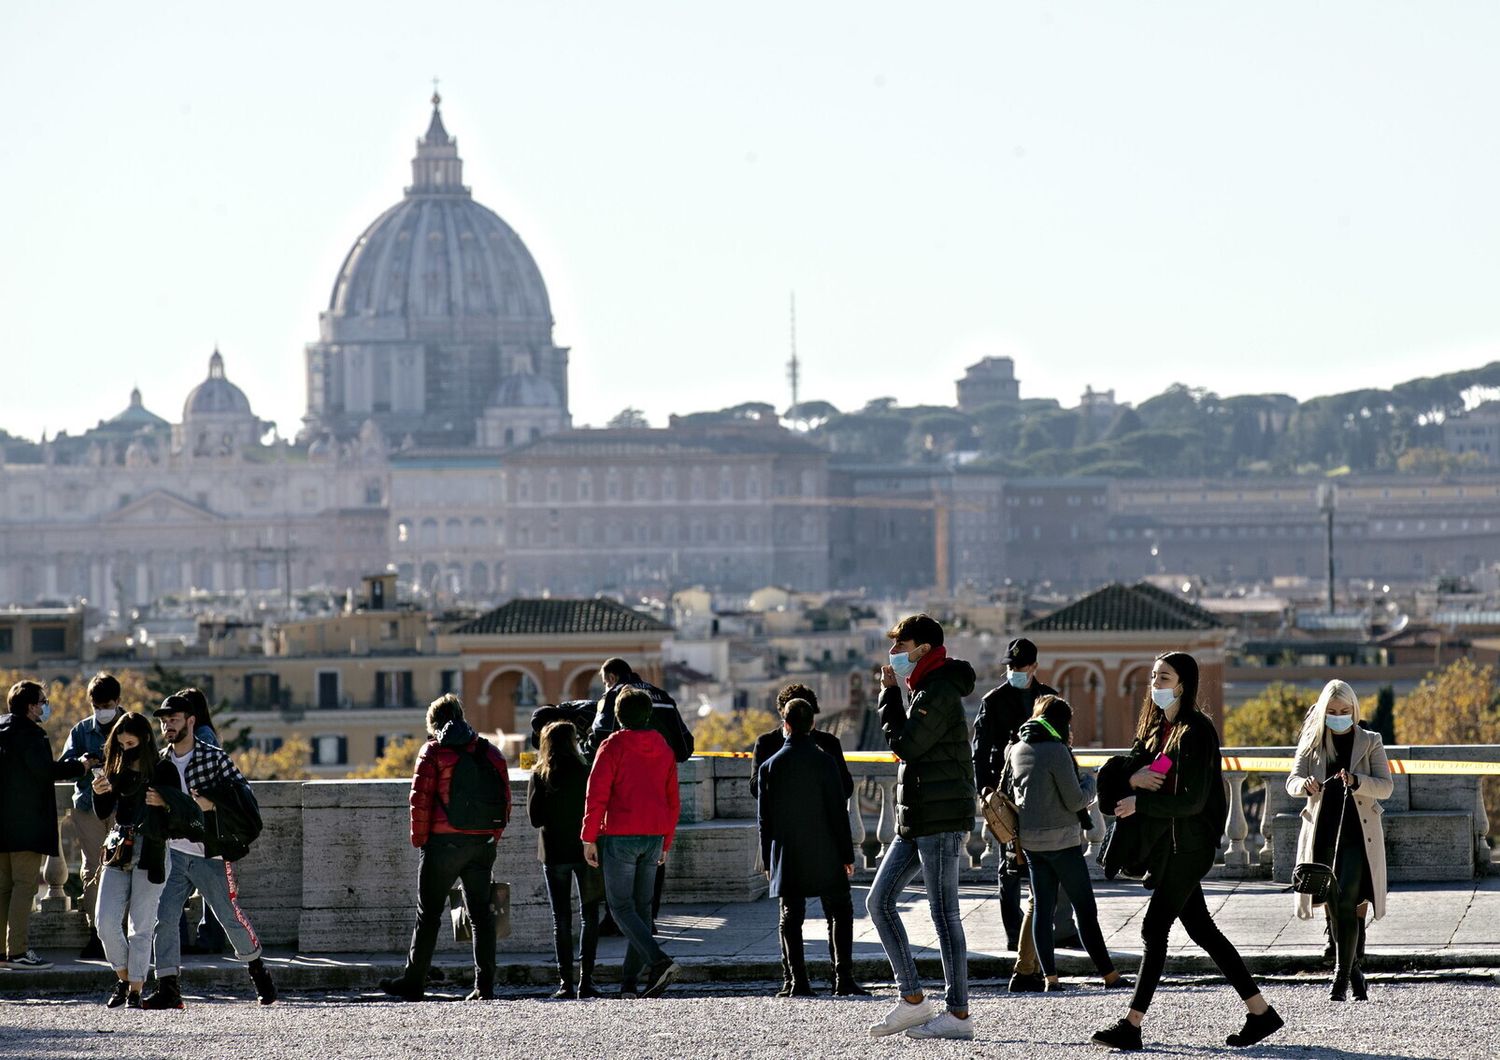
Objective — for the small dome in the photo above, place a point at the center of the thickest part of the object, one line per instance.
(525, 391)
(137, 415)
(216, 395)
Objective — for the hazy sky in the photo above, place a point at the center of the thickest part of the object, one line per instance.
(1250, 197)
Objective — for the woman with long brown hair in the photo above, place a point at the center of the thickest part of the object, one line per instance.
(135, 866)
(1178, 791)
(555, 804)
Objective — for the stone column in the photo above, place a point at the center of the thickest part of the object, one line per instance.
(1237, 855)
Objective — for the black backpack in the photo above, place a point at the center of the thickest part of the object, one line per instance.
(476, 792)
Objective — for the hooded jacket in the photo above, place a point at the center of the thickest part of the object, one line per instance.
(1049, 790)
(632, 788)
(432, 784)
(27, 774)
(935, 777)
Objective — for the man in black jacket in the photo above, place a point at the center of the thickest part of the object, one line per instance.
(29, 836)
(1002, 712)
(768, 743)
(665, 718)
(802, 810)
(934, 815)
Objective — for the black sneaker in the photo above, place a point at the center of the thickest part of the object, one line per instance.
(849, 988)
(1122, 1034)
(28, 960)
(118, 995)
(134, 1000)
(260, 975)
(660, 977)
(586, 991)
(400, 989)
(1058, 987)
(1256, 1029)
(1121, 983)
(1021, 983)
(166, 995)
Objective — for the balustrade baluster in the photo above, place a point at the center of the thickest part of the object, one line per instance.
(1237, 855)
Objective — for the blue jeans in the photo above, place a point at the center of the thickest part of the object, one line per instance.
(1066, 868)
(937, 856)
(215, 880)
(127, 894)
(629, 865)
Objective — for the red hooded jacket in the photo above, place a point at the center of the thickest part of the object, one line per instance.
(434, 779)
(632, 788)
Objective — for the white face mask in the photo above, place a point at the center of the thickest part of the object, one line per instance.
(1163, 697)
(105, 715)
(1339, 723)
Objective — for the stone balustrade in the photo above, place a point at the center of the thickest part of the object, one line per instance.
(334, 870)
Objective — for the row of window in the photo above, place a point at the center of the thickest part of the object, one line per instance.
(45, 640)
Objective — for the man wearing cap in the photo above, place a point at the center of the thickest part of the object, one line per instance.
(1001, 714)
(200, 767)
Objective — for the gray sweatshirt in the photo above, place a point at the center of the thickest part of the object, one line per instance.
(1048, 794)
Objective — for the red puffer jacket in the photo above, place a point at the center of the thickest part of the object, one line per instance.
(434, 779)
(632, 788)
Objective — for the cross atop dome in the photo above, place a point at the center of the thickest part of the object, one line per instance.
(437, 169)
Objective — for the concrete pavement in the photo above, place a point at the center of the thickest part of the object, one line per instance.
(1432, 926)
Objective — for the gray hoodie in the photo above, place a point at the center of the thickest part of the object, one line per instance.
(1048, 793)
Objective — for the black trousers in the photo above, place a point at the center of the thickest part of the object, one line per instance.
(1352, 886)
(469, 860)
(590, 897)
(838, 909)
(1179, 896)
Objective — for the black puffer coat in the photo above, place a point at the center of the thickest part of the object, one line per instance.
(27, 773)
(935, 780)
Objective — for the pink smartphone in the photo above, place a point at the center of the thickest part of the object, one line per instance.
(1162, 765)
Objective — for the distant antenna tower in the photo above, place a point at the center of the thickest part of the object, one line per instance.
(793, 366)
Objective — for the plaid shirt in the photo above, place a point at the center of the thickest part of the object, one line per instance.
(208, 767)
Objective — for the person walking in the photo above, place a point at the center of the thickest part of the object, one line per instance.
(802, 811)
(1341, 770)
(460, 803)
(199, 770)
(840, 918)
(555, 799)
(135, 871)
(1002, 712)
(1050, 792)
(630, 817)
(27, 774)
(934, 815)
(1178, 789)
(86, 740)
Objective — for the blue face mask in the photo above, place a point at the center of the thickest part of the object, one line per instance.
(1339, 722)
(1163, 697)
(901, 662)
(1018, 678)
(46, 713)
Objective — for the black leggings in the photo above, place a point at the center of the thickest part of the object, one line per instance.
(1179, 896)
(1351, 889)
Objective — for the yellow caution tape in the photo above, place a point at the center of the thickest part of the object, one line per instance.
(1231, 763)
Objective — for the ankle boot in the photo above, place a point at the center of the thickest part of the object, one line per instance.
(800, 986)
(1357, 985)
(786, 970)
(586, 979)
(166, 995)
(1339, 991)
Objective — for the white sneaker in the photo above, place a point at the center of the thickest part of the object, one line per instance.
(905, 1015)
(945, 1025)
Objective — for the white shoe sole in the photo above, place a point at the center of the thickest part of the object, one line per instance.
(885, 1030)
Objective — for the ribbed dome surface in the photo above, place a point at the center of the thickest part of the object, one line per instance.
(440, 255)
(216, 395)
(526, 391)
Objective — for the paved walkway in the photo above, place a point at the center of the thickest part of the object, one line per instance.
(1432, 926)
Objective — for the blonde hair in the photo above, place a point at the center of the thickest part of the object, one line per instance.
(1314, 726)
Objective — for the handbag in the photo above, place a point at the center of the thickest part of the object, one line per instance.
(1000, 815)
(119, 846)
(463, 927)
(1315, 878)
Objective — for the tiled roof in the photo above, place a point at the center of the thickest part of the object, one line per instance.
(520, 617)
(1126, 608)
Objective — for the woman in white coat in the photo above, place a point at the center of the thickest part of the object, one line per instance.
(1342, 771)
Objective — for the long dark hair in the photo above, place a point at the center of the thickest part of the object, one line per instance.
(202, 718)
(134, 724)
(1148, 725)
(557, 750)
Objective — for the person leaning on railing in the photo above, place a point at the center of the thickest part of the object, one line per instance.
(1335, 757)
